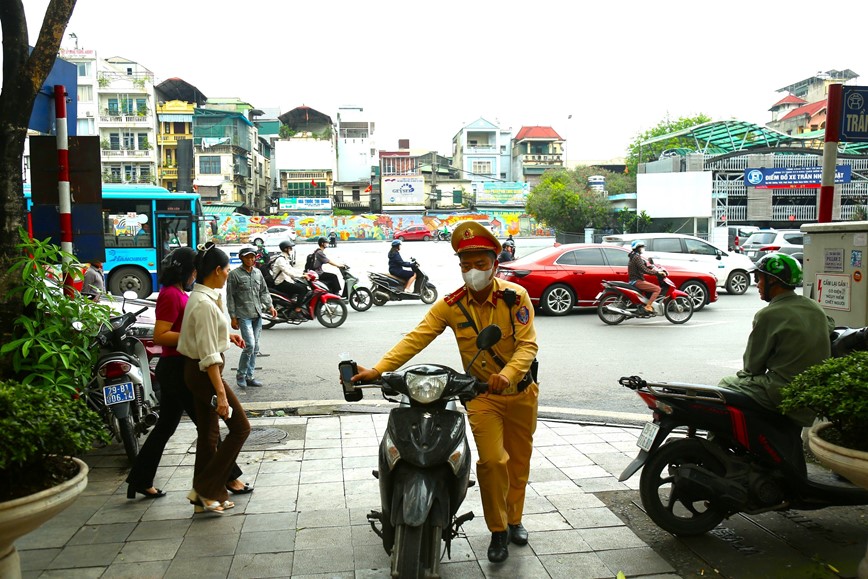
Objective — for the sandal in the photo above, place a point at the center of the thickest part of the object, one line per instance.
(242, 491)
(201, 504)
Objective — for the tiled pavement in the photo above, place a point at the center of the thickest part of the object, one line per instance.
(306, 517)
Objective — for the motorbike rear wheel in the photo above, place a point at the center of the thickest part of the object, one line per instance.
(679, 506)
(361, 299)
(429, 294)
(331, 313)
(127, 431)
(615, 300)
(379, 298)
(678, 310)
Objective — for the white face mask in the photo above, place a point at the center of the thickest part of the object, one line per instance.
(477, 279)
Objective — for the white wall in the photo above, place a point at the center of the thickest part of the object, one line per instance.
(674, 194)
(304, 155)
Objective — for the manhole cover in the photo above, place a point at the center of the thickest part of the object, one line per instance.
(260, 435)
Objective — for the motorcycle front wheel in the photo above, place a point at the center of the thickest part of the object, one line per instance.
(675, 504)
(614, 300)
(331, 313)
(361, 299)
(429, 294)
(678, 310)
(416, 551)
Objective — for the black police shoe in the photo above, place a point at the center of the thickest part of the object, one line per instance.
(498, 550)
(518, 534)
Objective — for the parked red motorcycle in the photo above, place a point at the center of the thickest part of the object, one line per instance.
(319, 303)
(621, 300)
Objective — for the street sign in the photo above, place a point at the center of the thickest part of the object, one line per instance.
(854, 114)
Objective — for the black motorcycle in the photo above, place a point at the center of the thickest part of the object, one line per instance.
(424, 462)
(359, 297)
(751, 461)
(386, 288)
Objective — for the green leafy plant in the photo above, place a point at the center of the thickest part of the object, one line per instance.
(837, 390)
(45, 349)
(103, 80)
(38, 428)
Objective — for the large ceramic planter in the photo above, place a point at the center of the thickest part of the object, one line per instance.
(851, 464)
(19, 517)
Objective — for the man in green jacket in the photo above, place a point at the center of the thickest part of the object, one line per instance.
(789, 335)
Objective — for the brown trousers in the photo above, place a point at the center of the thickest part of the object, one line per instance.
(213, 462)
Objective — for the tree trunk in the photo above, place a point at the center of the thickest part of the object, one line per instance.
(24, 74)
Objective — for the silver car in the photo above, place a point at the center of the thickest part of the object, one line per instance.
(765, 241)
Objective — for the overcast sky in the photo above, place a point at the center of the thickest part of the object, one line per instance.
(423, 70)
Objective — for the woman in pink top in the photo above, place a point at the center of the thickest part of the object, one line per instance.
(176, 278)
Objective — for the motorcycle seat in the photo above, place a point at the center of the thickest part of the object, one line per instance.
(707, 391)
(623, 284)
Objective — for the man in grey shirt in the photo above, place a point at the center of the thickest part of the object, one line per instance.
(94, 283)
(246, 298)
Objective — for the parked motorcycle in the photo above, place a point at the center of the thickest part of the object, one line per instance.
(121, 390)
(424, 460)
(319, 304)
(385, 287)
(359, 297)
(751, 462)
(621, 300)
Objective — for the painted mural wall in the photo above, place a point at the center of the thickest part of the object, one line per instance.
(237, 228)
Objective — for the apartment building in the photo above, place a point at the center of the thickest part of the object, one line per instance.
(534, 151)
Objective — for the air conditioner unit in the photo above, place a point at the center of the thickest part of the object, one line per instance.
(88, 114)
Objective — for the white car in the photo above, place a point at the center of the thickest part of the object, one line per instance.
(274, 235)
(732, 270)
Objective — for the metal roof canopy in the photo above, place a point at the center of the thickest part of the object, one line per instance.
(719, 137)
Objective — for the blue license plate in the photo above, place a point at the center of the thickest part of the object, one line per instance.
(117, 393)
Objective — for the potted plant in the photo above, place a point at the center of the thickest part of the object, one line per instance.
(837, 390)
(44, 422)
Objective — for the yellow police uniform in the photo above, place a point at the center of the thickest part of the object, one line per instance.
(502, 424)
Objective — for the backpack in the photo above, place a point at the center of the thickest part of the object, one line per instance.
(264, 268)
(310, 262)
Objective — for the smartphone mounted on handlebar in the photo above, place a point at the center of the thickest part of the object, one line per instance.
(348, 369)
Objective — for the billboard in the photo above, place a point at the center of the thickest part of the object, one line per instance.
(305, 204)
(512, 194)
(403, 190)
(674, 194)
(792, 177)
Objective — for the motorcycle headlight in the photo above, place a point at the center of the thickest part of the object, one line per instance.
(425, 388)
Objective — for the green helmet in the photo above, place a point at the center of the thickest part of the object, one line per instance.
(781, 266)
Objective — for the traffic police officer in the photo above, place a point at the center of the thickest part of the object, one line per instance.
(503, 420)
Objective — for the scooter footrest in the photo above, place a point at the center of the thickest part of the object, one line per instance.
(375, 517)
(376, 474)
(471, 483)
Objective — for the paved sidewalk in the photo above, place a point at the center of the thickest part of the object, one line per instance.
(306, 517)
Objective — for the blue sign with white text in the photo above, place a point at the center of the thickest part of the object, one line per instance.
(854, 114)
(792, 177)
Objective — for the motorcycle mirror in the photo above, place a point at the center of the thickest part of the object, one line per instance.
(77, 326)
(128, 295)
(488, 337)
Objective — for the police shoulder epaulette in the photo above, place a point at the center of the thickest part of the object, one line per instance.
(452, 298)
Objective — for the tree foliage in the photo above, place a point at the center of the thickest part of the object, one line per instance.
(631, 222)
(664, 127)
(24, 73)
(563, 200)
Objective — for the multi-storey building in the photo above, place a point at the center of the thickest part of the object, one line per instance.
(177, 101)
(481, 151)
(88, 114)
(222, 149)
(803, 109)
(535, 150)
(126, 128)
(305, 159)
(356, 154)
(414, 181)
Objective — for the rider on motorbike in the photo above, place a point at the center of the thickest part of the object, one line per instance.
(508, 253)
(398, 267)
(287, 279)
(789, 335)
(637, 267)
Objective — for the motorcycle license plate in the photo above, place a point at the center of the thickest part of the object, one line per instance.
(649, 433)
(117, 393)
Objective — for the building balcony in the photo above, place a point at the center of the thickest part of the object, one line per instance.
(168, 172)
(121, 154)
(112, 118)
(542, 159)
(353, 205)
(171, 139)
(477, 149)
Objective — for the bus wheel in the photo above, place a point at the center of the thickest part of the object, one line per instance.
(132, 279)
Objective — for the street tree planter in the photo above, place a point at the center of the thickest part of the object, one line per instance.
(21, 516)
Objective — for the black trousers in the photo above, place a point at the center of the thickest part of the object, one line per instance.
(175, 399)
(331, 280)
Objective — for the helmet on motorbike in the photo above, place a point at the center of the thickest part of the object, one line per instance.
(286, 244)
(782, 267)
(396, 243)
(637, 244)
(322, 241)
(508, 243)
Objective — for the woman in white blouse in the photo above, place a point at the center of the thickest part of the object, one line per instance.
(204, 337)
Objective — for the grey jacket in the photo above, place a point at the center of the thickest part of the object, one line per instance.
(246, 294)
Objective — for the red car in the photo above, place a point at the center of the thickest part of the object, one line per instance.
(560, 278)
(414, 233)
